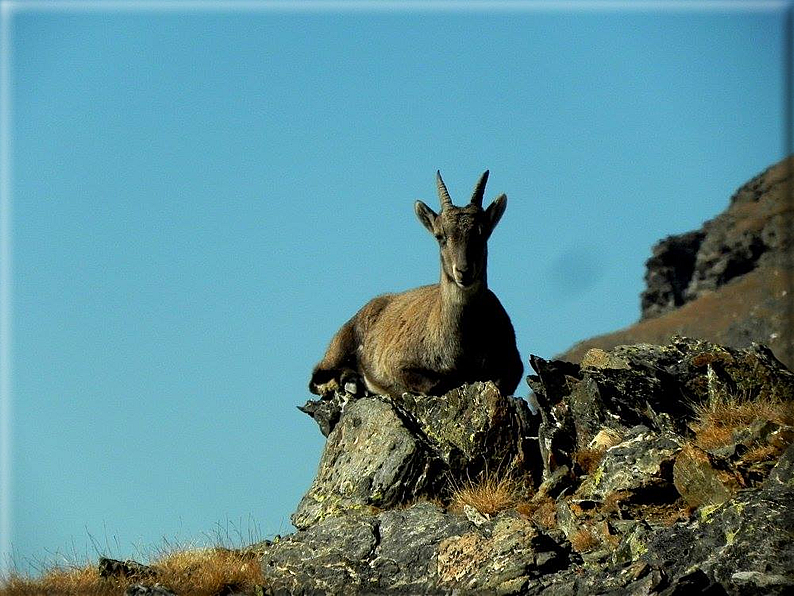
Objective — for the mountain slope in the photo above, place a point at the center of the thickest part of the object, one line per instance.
(729, 282)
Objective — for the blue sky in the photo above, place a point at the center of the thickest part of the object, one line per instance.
(200, 198)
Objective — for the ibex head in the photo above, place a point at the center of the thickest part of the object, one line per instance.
(462, 232)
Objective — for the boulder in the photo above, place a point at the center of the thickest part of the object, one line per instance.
(387, 452)
(370, 460)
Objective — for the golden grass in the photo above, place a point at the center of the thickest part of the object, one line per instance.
(612, 501)
(210, 572)
(584, 540)
(489, 494)
(724, 413)
(762, 453)
(61, 581)
(204, 572)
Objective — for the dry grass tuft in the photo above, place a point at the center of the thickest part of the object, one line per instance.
(724, 413)
(205, 572)
(584, 540)
(613, 500)
(209, 572)
(61, 581)
(762, 453)
(489, 494)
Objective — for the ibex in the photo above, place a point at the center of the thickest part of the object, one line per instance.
(434, 338)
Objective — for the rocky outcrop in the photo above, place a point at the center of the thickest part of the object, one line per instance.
(754, 232)
(387, 452)
(420, 549)
(622, 493)
(669, 273)
(729, 282)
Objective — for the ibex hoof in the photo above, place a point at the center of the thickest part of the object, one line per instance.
(324, 389)
(352, 383)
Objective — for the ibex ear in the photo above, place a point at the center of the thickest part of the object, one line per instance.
(426, 215)
(495, 211)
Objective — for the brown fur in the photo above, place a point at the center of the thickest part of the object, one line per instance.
(434, 338)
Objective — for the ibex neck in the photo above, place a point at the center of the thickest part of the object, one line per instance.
(454, 298)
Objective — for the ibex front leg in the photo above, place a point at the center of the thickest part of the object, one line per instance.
(338, 370)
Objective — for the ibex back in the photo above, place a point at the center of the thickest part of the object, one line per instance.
(434, 338)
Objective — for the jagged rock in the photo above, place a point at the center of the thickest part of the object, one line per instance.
(329, 557)
(780, 478)
(750, 534)
(740, 548)
(700, 481)
(385, 452)
(145, 590)
(406, 559)
(556, 483)
(505, 559)
(654, 386)
(370, 460)
(326, 411)
(641, 467)
(669, 272)
(127, 569)
(633, 544)
(474, 427)
(417, 550)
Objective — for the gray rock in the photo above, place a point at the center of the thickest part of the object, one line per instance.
(668, 273)
(700, 481)
(750, 533)
(474, 427)
(371, 459)
(641, 466)
(126, 569)
(326, 411)
(506, 560)
(384, 452)
(416, 550)
(407, 555)
(782, 475)
(654, 386)
(329, 557)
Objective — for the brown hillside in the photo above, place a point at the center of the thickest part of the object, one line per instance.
(729, 282)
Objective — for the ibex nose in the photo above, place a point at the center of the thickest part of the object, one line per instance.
(463, 276)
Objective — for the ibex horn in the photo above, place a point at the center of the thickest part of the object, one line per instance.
(479, 190)
(443, 193)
